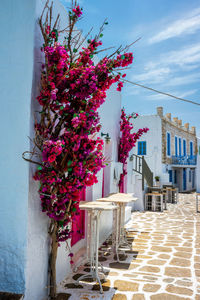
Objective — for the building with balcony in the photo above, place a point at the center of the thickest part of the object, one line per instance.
(170, 149)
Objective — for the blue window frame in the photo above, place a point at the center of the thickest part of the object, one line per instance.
(176, 146)
(184, 148)
(191, 148)
(179, 143)
(168, 144)
(142, 148)
(170, 176)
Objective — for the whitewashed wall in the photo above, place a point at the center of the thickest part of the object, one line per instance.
(153, 142)
(16, 68)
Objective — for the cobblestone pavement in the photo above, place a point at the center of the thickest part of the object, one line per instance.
(164, 262)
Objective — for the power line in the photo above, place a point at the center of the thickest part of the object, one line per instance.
(162, 93)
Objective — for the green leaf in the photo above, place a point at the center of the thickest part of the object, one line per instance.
(70, 169)
(61, 107)
(106, 23)
(69, 163)
(89, 41)
(39, 168)
(101, 35)
(74, 209)
(75, 50)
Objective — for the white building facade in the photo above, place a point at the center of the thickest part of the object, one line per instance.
(169, 148)
(24, 228)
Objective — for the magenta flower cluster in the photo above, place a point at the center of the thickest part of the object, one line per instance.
(70, 96)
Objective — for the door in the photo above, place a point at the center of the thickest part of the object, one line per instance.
(193, 178)
(78, 224)
(184, 179)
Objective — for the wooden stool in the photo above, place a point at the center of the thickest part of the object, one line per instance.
(156, 203)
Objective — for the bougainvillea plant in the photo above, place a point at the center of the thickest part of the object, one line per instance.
(73, 87)
(128, 140)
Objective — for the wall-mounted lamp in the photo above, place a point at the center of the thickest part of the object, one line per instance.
(107, 137)
(131, 158)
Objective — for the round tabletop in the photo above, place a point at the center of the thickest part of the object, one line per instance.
(96, 205)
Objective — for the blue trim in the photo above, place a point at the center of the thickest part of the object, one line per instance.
(142, 148)
(184, 179)
(184, 148)
(179, 143)
(176, 146)
(191, 148)
(168, 144)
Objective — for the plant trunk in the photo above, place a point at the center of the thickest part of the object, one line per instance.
(52, 262)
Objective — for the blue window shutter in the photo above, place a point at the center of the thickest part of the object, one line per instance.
(180, 152)
(142, 148)
(184, 147)
(176, 146)
(168, 144)
(191, 148)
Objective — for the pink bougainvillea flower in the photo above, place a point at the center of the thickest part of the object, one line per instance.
(52, 158)
(77, 11)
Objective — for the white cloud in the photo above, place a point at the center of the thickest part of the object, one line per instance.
(166, 67)
(158, 97)
(188, 24)
(153, 75)
(183, 80)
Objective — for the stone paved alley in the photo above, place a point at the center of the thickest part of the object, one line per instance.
(164, 263)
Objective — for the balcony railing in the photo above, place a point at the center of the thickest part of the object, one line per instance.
(184, 160)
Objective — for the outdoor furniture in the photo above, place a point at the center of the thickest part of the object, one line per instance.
(94, 210)
(174, 195)
(197, 202)
(155, 189)
(168, 189)
(119, 241)
(154, 201)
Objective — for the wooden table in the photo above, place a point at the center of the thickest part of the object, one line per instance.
(94, 210)
(119, 240)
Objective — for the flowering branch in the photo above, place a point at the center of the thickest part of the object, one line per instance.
(73, 88)
(127, 140)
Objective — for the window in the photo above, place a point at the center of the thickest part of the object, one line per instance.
(142, 148)
(179, 143)
(184, 148)
(168, 144)
(191, 148)
(176, 146)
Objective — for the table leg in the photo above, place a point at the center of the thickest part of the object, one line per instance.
(97, 253)
(197, 204)
(161, 203)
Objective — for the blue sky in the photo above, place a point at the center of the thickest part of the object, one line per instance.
(166, 58)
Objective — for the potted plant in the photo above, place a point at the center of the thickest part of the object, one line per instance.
(157, 179)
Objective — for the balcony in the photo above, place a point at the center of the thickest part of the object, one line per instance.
(184, 160)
